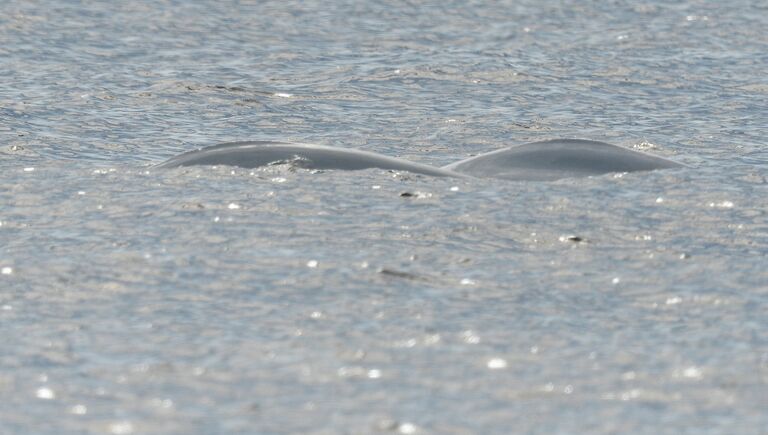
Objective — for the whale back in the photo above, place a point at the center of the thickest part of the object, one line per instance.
(256, 154)
(556, 159)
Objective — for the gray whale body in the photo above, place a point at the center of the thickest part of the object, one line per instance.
(309, 156)
(537, 161)
(560, 158)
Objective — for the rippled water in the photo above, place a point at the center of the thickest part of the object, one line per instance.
(213, 300)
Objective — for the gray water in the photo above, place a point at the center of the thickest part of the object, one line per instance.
(220, 300)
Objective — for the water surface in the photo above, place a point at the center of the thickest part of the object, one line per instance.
(221, 300)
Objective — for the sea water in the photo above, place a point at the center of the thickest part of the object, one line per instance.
(279, 300)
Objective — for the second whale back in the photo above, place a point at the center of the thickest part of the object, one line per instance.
(556, 159)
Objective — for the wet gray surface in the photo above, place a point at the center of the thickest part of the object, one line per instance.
(213, 300)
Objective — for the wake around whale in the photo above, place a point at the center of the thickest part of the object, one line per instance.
(537, 161)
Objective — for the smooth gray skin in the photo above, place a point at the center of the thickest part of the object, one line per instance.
(537, 161)
(556, 159)
(308, 156)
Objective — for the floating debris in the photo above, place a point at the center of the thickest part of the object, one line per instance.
(572, 238)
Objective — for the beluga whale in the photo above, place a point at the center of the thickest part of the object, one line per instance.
(256, 154)
(559, 158)
(547, 160)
